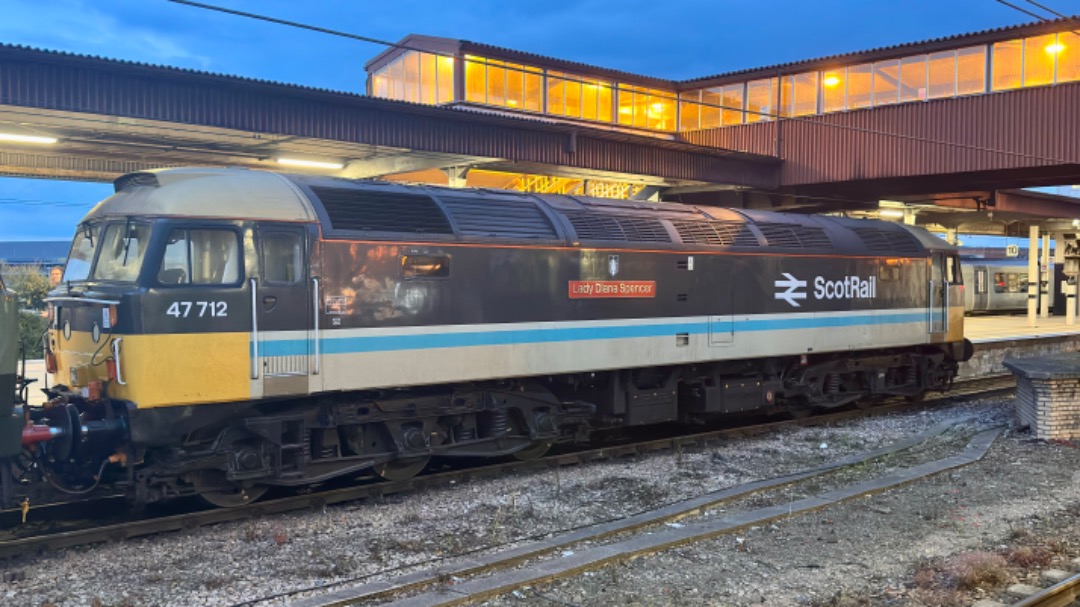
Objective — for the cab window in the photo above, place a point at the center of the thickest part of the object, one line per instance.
(123, 246)
(999, 282)
(952, 270)
(201, 257)
(81, 256)
(282, 257)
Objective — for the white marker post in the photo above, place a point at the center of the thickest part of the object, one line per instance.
(1033, 274)
(1045, 278)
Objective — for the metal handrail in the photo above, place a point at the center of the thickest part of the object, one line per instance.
(116, 359)
(254, 330)
(315, 309)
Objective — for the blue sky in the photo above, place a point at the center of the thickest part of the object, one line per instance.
(674, 39)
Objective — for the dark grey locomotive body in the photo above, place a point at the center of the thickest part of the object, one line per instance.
(279, 330)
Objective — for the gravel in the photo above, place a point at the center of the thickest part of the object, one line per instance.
(860, 549)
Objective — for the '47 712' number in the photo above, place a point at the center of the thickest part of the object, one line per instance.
(198, 309)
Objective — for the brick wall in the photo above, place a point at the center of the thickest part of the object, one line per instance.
(1051, 408)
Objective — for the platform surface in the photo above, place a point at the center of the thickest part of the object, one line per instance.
(990, 328)
(1065, 365)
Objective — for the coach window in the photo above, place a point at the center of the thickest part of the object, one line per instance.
(201, 257)
(425, 266)
(1014, 283)
(282, 257)
(999, 282)
(889, 273)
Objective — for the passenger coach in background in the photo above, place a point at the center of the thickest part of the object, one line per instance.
(222, 331)
(996, 285)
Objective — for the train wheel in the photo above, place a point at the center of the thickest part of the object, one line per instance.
(533, 451)
(215, 490)
(401, 469)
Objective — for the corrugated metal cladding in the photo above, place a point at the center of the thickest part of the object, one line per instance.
(1035, 127)
(38, 79)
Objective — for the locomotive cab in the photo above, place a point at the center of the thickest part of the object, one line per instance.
(161, 305)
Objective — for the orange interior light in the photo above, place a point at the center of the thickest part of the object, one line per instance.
(831, 80)
(1055, 48)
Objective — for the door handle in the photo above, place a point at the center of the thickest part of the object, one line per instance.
(269, 302)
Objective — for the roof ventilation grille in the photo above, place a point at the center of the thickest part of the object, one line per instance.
(367, 211)
(498, 217)
(890, 241)
(717, 233)
(795, 236)
(602, 226)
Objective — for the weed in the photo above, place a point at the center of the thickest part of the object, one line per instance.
(970, 570)
(1029, 556)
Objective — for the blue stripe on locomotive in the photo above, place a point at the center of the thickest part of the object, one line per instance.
(388, 343)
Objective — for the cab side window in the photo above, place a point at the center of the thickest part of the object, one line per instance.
(952, 270)
(201, 257)
(282, 257)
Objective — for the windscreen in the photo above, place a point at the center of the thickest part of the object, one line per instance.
(122, 249)
(81, 256)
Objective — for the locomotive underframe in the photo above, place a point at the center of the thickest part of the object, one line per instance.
(248, 447)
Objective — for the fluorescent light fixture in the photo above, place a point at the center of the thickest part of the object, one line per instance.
(27, 138)
(311, 164)
(897, 213)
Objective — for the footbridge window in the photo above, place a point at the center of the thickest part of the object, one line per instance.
(416, 77)
(429, 77)
(1036, 61)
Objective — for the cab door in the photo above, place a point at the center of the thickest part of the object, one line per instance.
(281, 301)
(937, 305)
(981, 289)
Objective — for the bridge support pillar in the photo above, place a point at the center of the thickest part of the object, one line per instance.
(455, 176)
(1033, 275)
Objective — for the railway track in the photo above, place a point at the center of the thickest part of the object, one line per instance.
(1061, 594)
(22, 546)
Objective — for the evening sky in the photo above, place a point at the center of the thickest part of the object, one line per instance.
(674, 39)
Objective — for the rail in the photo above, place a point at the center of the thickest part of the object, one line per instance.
(1061, 594)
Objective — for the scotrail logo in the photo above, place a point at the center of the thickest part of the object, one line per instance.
(848, 287)
(792, 293)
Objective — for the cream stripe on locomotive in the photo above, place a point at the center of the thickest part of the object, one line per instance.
(389, 357)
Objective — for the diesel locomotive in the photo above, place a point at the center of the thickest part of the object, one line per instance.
(223, 331)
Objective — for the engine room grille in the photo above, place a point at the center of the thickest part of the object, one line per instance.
(500, 218)
(720, 233)
(890, 241)
(795, 236)
(365, 210)
(601, 226)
